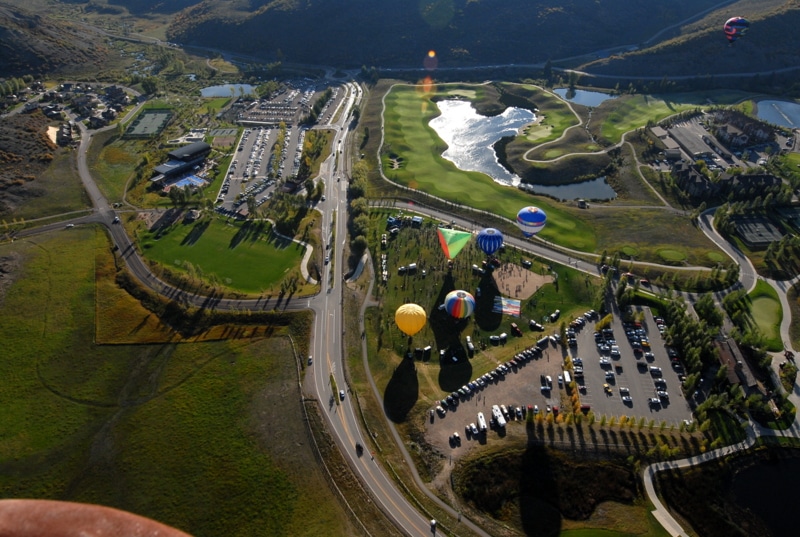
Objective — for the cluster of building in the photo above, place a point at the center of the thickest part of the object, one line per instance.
(181, 161)
(100, 106)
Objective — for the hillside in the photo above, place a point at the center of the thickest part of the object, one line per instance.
(771, 44)
(353, 33)
(31, 43)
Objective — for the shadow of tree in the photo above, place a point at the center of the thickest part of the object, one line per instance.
(402, 391)
(196, 232)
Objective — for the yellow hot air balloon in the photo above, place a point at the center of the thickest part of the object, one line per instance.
(410, 318)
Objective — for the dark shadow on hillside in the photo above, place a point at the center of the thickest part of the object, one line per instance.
(196, 232)
(538, 494)
(402, 391)
(486, 319)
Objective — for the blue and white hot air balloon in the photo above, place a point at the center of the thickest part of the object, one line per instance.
(490, 240)
(531, 220)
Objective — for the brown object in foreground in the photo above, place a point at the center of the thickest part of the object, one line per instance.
(48, 518)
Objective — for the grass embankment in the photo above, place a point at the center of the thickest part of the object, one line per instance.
(654, 235)
(766, 313)
(243, 256)
(200, 436)
(58, 190)
(413, 158)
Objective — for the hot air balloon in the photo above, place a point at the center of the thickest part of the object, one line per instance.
(410, 318)
(531, 220)
(453, 241)
(459, 304)
(490, 240)
(735, 27)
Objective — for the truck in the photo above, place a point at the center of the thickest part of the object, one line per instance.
(481, 422)
(567, 378)
(498, 416)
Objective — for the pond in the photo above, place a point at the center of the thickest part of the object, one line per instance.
(224, 90)
(596, 189)
(470, 137)
(783, 113)
(767, 489)
(584, 97)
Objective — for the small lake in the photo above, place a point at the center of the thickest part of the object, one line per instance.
(768, 488)
(224, 90)
(470, 137)
(783, 113)
(584, 97)
(596, 189)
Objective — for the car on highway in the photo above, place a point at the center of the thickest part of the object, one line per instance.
(310, 360)
(70, 226)
(341, 396)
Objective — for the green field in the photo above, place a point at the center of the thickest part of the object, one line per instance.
(625, 113)
(417, 148)
(207, 437)
(767, 314)
(112, 163)
(244, 256)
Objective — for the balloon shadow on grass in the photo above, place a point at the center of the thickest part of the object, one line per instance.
(402, 391)
(486, 319)
(539, 498)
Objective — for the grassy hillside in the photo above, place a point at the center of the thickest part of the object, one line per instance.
(32, 43)
(770, 44)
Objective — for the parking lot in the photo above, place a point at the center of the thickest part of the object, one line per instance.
(521, 386)
(630, 369)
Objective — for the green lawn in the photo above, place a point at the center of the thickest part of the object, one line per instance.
(112, 162)
(242, 256)
(201, 436)
(767, 314)
(419, 149)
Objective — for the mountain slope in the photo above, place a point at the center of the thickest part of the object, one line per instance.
(771, 44)
(34, 44)
(400, 32)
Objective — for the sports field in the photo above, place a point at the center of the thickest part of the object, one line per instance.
(243, 256)
(410, 141)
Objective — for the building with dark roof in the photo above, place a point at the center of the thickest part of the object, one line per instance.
(181, 160)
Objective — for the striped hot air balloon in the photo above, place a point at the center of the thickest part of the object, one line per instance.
(531, 220)
(490, 240)
(459, 304)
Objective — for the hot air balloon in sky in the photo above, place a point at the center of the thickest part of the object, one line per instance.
(531, 220)
(410, 318)
(735, 27)
(490, 240)
(459, 304)
(453, 241)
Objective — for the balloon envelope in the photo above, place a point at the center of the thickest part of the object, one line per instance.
(459, 304)
(410, 318)
(490, 240)
(735, 27)
(453, 241)
(531, 220)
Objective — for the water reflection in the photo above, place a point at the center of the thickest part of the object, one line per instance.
(224, 90)
(596, 189)
(584, 97)
(470, 137)
(783, 113)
